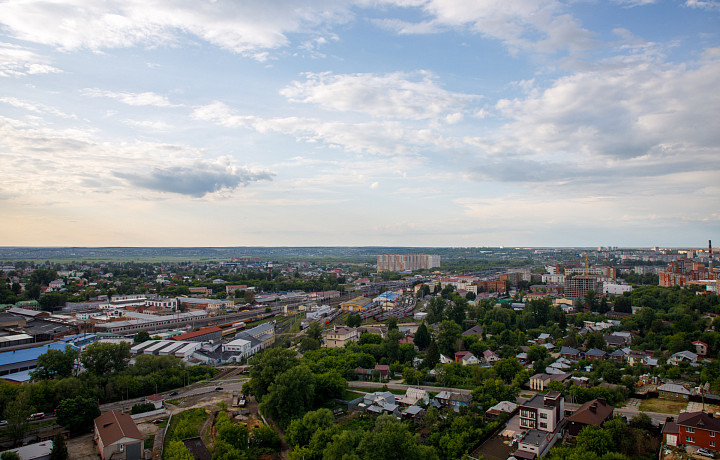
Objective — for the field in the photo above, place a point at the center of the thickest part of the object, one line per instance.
(663, 406)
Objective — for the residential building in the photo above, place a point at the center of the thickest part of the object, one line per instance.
(570, 353)
(682, 356)
(595, 354)
(406, 262)
(673, 391)
(339, 336)
(578, 286)
(453, 400)
(700, 347)
(592, 413)
(696, 429)
(414, 395)
(539, 382)
(543, 412)
(466, 358)
(117, 437)
(490, 357)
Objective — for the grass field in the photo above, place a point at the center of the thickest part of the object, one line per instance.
(662, 405)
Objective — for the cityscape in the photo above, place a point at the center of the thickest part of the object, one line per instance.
(359, 229)
(491, 353)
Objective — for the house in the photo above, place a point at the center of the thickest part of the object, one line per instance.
(338, 336)
(700, 347)
(37, 451)
(682, 356)
(379, 402)
(117, 436)
(157, 400)
(595, 413)
(453, 399)
(539, 382)
(613, 340)
(620, 354)
(595, 354)
(466, 358)
(673, 391)
(475, 330)
(414, 395)
(444, 359)
(696, 429)
(570, 353)
(383, 370)
(490, 357)
(498, 409)
(413, 413)
(542, 412)
(544, 338)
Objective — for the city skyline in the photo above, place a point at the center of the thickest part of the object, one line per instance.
(415, 123)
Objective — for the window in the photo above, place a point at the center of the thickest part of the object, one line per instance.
(712, 443)
(712, 434)
(543, 415)
(690, 430)
(689, 439)
(543, 425)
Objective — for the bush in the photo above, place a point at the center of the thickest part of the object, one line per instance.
(139, 408)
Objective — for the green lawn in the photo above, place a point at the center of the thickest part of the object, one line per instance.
(150, 441)
(663, 406)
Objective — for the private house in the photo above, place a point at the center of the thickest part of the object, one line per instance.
(339, 336)
(570, 353)
(595, 412)
(490, 357)
(379, 402)
(696, 429)
(466, 358)
(475, 330)
(613, 340)
(503, 407)
(413, 413)
(595, 354)
(383, 370)
(683, 356)
(117, 437)
(673, 392)
(452, 399)
(414, 396)
(620, 354)
(542, 412)
(539, 382)
(700, 347)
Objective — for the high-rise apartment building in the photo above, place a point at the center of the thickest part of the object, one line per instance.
(403, 262)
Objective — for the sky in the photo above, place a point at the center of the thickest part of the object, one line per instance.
(337, 122)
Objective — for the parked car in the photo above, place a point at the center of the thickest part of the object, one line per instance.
(705, 453)
(174, 393)
(218, 388)
(3, 422)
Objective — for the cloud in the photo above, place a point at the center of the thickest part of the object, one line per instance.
(34, 107)
(395, 95)
(136, 99)
(197, 180)
(704, 4)
(16, 61)
(535, 25)
(242, 27)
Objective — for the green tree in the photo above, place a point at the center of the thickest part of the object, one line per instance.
(506, 369)
(264, 439)
(308, 344)
(290, 395)
(354, 321)
(141, 336)
(432, 357)
(8, 455)
(106, 358)
(59, 450)
(344, 446)
(16, 414)
(176, 450)
(392, 323)
(595, 439)
(422, 337)
(55, 364)
(77, 414)
(314, 331)
(391, 440)
(448, 337)
(301, 430)
(268, 365)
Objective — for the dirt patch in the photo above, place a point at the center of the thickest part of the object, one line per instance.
(82, 448)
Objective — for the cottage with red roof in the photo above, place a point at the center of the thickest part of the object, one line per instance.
(117, 436)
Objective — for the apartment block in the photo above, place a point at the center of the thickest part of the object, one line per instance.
(406, 262)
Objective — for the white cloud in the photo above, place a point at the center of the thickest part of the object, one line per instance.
(396, 95)
(242, 27)
(704, 4)
(136, 99)
(536, 25)
(34, 107)
(16, 61)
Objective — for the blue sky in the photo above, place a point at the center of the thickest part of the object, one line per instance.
(389, 122)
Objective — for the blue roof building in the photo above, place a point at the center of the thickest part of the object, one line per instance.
(25, 359)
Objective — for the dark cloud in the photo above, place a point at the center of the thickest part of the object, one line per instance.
(197, 180)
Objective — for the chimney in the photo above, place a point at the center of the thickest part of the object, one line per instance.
(710, 258)
(593, 408)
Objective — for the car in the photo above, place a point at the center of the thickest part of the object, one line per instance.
(705, 453)
(218, 388)
(174, 393)
(142, 399)
(37, 416)
(3, 422)
(158, 421)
